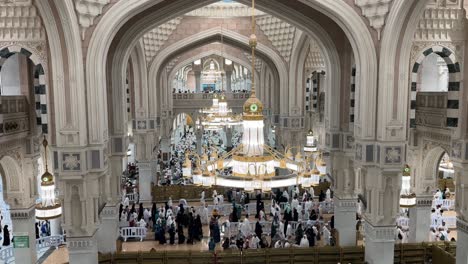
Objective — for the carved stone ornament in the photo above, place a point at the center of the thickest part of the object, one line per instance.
(375, 11)
(87, 11)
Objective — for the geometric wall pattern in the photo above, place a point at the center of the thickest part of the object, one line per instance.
(280, 33)
(155, 38)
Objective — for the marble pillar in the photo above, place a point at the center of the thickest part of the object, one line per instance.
(229, 137)
(462, 241)
(345, 221)
(108, 231)
(199, 137)
(420, 220)
(228, 81)
(379, 244)
(23, 221)
(198, 82)
(82, 250)
(144, 181)
(114, 178)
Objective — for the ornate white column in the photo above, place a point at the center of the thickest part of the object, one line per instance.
(228, 137)
(199, 136)
(82, 250)
(24, 230)
(198, 81)
(420, 219)
(108, 231)
(344, 198)
(345, 220)
(145, 177)
(461, 198)
(228, 81)
(380, 241)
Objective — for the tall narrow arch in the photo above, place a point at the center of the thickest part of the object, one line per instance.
(453, 104)
(40, 87)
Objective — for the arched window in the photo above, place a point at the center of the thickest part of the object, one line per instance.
(15, 75)
(434, 74)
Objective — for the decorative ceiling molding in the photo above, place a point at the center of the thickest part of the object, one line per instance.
(19, 21)
(375, 11)
(441, 21)
(258, 62)
(314, 61)
(224, 10)
(280, 33)
(155, 39)
(87, 11)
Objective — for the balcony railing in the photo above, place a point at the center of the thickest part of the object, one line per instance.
(201, 100)
(14, 116)
(431, 109)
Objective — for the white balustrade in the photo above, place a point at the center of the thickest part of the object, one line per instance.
(132, 197)
(133, 232)
(450, 221)
(448, 204)
(403, 221)
(50, 241)
(7, 254)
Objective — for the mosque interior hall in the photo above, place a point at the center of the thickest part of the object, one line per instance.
(233, 131)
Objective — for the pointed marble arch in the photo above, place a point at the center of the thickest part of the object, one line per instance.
(181, 64)
(159, 60)
(453, 103)
(205, 54)
(11, 175)
(339, 11)
(40, 87)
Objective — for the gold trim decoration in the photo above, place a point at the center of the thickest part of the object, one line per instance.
(242, 158)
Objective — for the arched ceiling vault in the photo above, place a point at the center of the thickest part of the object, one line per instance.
(213, 39)
(336, 16)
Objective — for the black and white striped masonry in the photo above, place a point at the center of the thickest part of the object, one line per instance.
(453, 104)
(352, 92)
(40, 88)
(315, 81)
(307, 95)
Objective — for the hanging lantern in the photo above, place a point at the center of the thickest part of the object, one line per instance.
(48, 208)
(407, 197)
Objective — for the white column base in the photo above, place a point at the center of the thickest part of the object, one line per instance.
(420, 220)
(82, 250)
(144, 181)
(23, 221)
(345, 221)
(462, 241)
(108, 231)
(379, 244)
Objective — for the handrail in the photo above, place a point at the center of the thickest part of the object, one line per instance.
(7, 253)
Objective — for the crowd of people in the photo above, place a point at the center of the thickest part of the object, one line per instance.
(300, 223)
(440, 231)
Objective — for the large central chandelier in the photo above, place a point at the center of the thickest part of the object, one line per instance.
(48, 208)
(253, 165)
